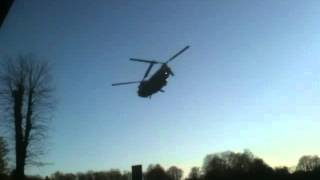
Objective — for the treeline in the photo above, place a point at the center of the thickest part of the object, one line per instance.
(219, 166)
(231, 165)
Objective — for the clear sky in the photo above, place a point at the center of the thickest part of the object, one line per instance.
(249, 80)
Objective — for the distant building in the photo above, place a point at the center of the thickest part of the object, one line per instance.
(137, 172)
(4, 9)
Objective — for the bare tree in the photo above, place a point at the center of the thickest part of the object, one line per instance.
(156, 172)
(194, 173)
(26, 99)
(308, 163)
(175, 173)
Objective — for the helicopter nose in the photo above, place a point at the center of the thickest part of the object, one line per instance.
(170, 72)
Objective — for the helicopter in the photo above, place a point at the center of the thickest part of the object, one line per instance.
(158, 80)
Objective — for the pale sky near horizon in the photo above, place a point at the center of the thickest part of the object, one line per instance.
(249, 81)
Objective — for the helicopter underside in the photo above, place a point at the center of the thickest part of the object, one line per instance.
(148, 88)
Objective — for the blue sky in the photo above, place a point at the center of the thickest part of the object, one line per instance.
(249, 80)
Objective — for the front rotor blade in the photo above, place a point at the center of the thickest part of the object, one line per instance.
(125, 83)
(171, 73)
(145, 61)
(148, 70)
(178, 53)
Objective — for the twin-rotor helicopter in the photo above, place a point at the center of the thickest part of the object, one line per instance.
(158, 80)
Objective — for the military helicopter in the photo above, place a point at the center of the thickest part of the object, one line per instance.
(158, 80)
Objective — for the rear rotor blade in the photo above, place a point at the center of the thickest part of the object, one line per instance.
(125, 83)
(148, 70)
(178, 53)
(146, 61)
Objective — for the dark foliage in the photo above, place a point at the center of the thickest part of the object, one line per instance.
(175, 173)
(156, 172)
(228, 165)
(308, 163)
(194, 174)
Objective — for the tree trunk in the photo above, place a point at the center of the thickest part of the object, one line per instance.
(18, 104)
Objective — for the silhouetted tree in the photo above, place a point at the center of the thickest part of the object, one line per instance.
(63, 176)
(308, 163)
(258, 168)
(25, 94)
(108, 175)
(112, 174)
(3, 156)
(156, 172)
(101, 175)
(57, 175)
(90, 175)
(194, 173)
(69, 176)
(230, 165)
(126, 175)
(175, 173)
(83, 176)
(281, 171)
(34, 177)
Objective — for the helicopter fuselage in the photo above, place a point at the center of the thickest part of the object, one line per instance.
(155, 83)
(158, 80)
